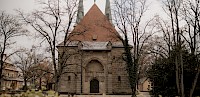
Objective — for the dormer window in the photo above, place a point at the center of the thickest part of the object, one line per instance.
(94, 37)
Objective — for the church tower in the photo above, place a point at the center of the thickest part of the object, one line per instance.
(108, 11)
(94, 64)
(80, 12)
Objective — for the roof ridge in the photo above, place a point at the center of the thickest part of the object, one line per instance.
(94, 27)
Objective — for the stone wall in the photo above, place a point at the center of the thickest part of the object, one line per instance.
(113, 78)
(120, 82)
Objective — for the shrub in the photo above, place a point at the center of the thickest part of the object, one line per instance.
(39, 93)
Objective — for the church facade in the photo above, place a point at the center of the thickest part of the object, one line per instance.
(95, 64)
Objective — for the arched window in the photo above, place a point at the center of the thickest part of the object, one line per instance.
(119, 78)
(69, 78)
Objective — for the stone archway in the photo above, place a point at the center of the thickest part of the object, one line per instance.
(94, 86)
(94, 66)
(94, 75)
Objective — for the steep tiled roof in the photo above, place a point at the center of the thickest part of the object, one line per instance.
(94, 27)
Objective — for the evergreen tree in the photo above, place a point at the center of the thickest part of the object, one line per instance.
(162, 74)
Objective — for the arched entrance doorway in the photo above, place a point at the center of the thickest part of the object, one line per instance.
(94, 86)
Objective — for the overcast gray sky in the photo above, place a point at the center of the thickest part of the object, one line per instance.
(28, 5)
(155, 8)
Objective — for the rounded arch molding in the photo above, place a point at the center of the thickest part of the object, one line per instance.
(94, 69)
(94, 59)
(94, 65)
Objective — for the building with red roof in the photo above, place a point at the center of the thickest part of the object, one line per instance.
(94, 62)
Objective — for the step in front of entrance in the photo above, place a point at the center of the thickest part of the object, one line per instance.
(141, 94)
(104, 96)
(96, 96)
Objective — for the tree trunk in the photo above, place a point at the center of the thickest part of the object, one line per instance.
(133, 93)
(40, 84)
(130, 68)
(25, 84)
(194, 83)
(177, 75)
(55, 85)
(1, 76)
(47, 85)
(56, 75)
(1, 70)
(182, 71)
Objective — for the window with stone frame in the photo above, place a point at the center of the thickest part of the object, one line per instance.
(69, 78)
(119, 78)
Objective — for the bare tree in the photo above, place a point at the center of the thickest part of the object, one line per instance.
(173, 7)
(42, 73)
(127, 16)
(55, 17)
(10, 28)
(25, 61)
(191, 14)
(185, 12)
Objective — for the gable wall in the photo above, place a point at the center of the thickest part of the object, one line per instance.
(112, 63)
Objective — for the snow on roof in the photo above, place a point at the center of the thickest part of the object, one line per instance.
(95, 45)
(92, 44)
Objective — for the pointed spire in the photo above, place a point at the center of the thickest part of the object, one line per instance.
(108, 11)
(80, 13)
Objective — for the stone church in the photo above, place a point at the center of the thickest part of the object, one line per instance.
(96, 64)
